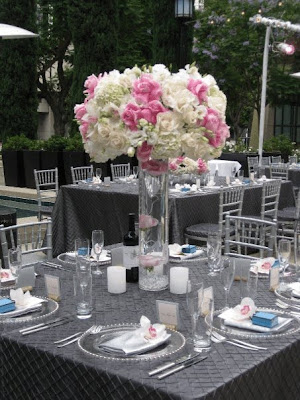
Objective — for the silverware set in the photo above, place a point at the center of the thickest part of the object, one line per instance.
(56, 266)
(285, 306)
(44, 325)
(93, 330)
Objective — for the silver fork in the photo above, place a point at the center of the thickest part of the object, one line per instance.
(74, 338)
(285, 305)
(236, 342)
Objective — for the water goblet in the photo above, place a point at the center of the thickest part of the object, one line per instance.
(97, 243)
(15, 260)
(82, 248)
(214, 254)
(284, 252)
(227, 275)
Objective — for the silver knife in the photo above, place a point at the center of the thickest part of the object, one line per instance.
(56, 266)
(172, 364)
(186, 364)
(29, 328)
(41, 328)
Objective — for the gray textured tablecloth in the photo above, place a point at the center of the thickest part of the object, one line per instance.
(32, 368)
(293, 174)
(79, 209)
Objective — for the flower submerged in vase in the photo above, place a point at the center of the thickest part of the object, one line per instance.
(149, 262)
(147, 222)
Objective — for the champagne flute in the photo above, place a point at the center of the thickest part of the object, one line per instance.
(135, 171)
(97, 243)
(284, 252)
(227, 276)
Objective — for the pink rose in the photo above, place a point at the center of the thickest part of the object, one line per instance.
(219, 131)
(173, 166)
(201, 166)
(266, 266)
(245, 309)
(84, 127)
(143, 152)
(146, 221)
(149, 261)
(147, 114)
(198, 88)
(152, 331)
(146, 89)
(155, 167)
(130, 116)
(180, 159)
(79, 111)
(90, 85)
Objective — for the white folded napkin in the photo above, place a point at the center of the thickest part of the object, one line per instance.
(211, 182)
(24, 302)
(175, 251)
(262, 266)
(237, 182)
(96, 179)
(295, 286)
(139, 341)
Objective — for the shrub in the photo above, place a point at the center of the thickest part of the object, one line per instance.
(74, 143)
(279, 143)
(16, 143)
(55, 143)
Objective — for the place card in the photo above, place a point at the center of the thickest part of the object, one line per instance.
(168, 313)
(274, 278)
(52, 284)
(26, 278)
(208, 294)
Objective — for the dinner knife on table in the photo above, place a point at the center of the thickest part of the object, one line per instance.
(42, 324)
(182, 366)
(172, 363)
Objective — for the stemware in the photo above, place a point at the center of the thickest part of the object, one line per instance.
(198, 308)
(284, 252)
(227, 275)
(214, 254)
(99, 173)
(15, 260)
(135, 171)
(97, 243)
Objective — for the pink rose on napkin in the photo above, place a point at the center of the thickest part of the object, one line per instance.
(266, 266)
(246, 309)
(146, 221)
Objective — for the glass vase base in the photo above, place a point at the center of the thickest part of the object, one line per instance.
(154, 283)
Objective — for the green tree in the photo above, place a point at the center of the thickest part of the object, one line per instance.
(230, 48)
(94, 27)
(55, 60)
(18, 59)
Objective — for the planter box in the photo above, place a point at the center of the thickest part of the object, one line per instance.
(32, 160)
(72, 159)
(13, 168)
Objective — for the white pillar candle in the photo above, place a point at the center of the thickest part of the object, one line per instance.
(116, 280)
(178, 279)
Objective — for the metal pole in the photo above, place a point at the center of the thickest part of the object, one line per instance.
(263, 94)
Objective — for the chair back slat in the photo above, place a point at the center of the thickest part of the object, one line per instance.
(230, 202)
(120, 170)
(270, 199)
(46, 183)
(279, 171)
(31, 237)
(81, 173)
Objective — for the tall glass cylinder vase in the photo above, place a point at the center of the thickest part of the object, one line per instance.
(153, 225)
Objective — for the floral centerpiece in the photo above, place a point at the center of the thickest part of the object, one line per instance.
(185, 165)
(155, 115)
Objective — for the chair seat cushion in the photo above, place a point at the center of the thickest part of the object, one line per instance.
(203, 230)
(287, 214)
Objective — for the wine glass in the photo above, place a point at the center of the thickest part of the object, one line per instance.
(227, 276)
(135, 171)
(97, 243)
(284, 252)
(99, 174)
(15, 260)
(214, 254)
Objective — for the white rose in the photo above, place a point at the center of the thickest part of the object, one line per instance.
(209, 80)
(218, 101)
(168, 121)
(119, 141)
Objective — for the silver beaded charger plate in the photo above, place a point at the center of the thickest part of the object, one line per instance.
(89, 343)
(289, 329)
(48, 308)
(287, 295)
(70, 259)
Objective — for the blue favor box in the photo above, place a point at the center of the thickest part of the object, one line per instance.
(185, 189)
(266, 319)
(188, 248)
(6, 305)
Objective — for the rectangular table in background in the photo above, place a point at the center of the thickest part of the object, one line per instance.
(79, 209)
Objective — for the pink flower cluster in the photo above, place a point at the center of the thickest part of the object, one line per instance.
(187, 165)
(154, 167)
(216, 130)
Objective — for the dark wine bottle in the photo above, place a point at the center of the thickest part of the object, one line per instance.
(131, 252)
